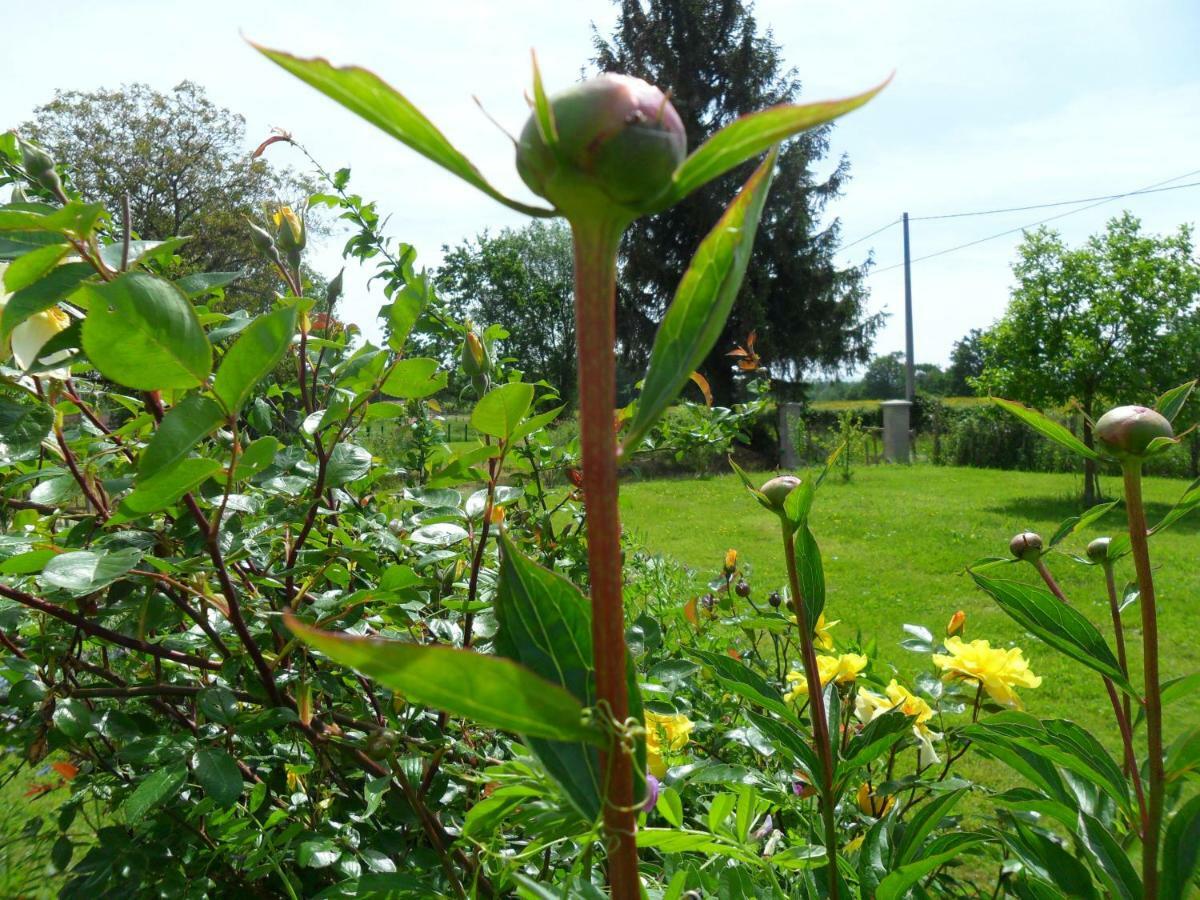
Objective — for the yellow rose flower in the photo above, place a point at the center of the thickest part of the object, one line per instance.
(665, 735)
(998, 670)
(823, 639)
(842, 669)
(868, 706)
(289, 229)
(27, 339)
(871, 804)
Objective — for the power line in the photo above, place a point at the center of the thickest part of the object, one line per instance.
(1151, 189)
(871, 235)
(991, 212)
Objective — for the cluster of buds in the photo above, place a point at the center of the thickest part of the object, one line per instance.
(40, 168)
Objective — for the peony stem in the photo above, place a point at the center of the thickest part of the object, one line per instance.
(1132, 471)
(596, 243)
(816, 698)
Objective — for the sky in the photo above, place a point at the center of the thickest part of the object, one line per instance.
(993, 105)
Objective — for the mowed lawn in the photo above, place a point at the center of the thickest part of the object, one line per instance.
(895, 541)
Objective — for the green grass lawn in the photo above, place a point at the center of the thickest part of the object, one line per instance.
(895, 541)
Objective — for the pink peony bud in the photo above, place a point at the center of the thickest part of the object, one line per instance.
(1128, 430)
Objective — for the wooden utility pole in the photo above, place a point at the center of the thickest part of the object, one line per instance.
(909, 379)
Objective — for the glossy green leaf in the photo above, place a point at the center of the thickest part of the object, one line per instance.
(1076, 524)
(923, 822)
(347, 462)
(142, 332)
(536, 423)
(542, 110)
(413, 379)
(789, 737)
(1059, 625)
(56, 285)
(746, 683)
(1181, 850)
(157, 787)
(810, 573)
(74, 220)
(404, 311)
(73, 719)
(219, 775)
(366, 94)
(695, 318)
(1172, 402)
(1184, 505)
(1108, 859)
(753, 134)
(31, 267)
(256, 457)
(165, 488)
(880, 735)
(253, 355)
(500, 411)
(1048, 860)
(495, 692)
(182, 428)
(23, 427)
(84, 571)
(940, 851)
(201, 283)
(1047, 427)
(545, 625)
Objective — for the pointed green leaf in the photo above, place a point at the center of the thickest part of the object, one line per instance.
(1108, 858)
(1047, 427)
(57, 284)
(542, 108)
(495, 692)
(743, 681)
(253, 355)
(412, 379)
(694, 320)
(941, 850)
(81, 572)
(201, 283)
(29, 268)
(1184, 505)
(811, 574)
(1059, 625)
(1172, 401)
(365, 93)
(219, 775)
(185, 425)
(165, 488)
(500, 411)
(158, 787)
(924, 821)
(1181, 849)
(751, 135)
(545, 625)
(142, 332)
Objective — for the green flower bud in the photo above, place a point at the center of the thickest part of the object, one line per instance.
(777, 489)
(262, 240)
(334, 290)
(476, 362)
(290, 233)
(40, 167)
(619, 140)
(1128, 430)
(1097, 550)
(1026, 546)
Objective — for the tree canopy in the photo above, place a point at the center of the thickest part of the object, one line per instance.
(808, 312)
(1110, 321)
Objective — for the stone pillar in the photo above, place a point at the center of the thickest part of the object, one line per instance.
(896, 430)
(789, 453)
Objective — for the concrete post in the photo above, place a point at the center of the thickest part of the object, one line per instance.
(789, 453)
(896, 430)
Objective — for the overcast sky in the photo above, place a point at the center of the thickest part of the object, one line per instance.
(994, 104)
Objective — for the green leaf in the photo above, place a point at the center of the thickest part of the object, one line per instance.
(73, 719)
(542, 110)
(201, 283)
(500, 411)
(347, 462)
(536, 423)
(923, 822)
(696, 316)
(60, 282)
(1108, 859)
(23, 427)
(31, 267)
(74, 220)
(1059, 625)
(1049, 861)
(84, 571)
(495, 692)
(412, 379)
(253, 355)
(404, 311)
(746, 683)
(940, 851)
(142, 332)
(1183, 756)
(165, 488)
(257, 456)
(670, 806)
(366, 94)
(158, 787)
(182, 428)
(1076, 524)
(1171, 403)
(811, 574)
(1181, 850)
(545, 625)
(753, 134)
(1184, 505)
(319, 854)
(1047, 427)
(880, 735)
(789, 738)
(219, 775)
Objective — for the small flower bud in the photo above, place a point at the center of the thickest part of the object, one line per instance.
(40, 167)
(1097, 550)
(957, 624)
(334, 290)
(262, 240)
(618, 143)
(1128, 430)
(777, 489)
(775, 600)
(290, 233)
(742, 589)
(1026, 546)
(304, 702)
(730, 561)
(381, 743)
(652, 788)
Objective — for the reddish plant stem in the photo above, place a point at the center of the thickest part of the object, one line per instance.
(816, 698)
(1132, 471)
(1114, 606)
(477, 560)
(87, 626)
(1121, 714)
(595, 327)
(84, 484)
